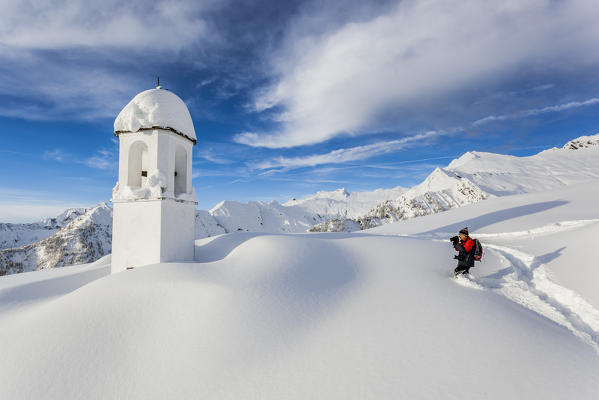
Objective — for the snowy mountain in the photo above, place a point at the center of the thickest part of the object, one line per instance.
(80, 236)
(369, 315)
(342, 204)
(16, 235)
(478, 176)
(294, 216)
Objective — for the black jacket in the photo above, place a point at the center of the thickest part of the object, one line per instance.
(466, 253)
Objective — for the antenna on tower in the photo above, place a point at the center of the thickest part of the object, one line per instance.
(158, 83)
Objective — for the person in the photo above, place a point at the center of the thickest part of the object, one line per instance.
(464, 245)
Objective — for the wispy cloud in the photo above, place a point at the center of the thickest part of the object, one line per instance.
(347, 155)
(56, 155)
(536, 111)
(211, 156)
(348, 80)
(104, 159)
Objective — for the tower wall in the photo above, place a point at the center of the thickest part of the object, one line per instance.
(151, 232)
(136, 234)
(177, 231)
(154, 202)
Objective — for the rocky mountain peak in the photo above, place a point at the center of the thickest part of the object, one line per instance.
(582, 142)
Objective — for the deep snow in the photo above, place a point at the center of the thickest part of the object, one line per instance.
(361, 315)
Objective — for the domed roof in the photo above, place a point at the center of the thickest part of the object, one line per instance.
(155, 108)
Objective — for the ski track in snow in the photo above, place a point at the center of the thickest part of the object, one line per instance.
(529, 285)
(525, 281)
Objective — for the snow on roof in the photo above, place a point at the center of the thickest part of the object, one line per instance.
(156, 108)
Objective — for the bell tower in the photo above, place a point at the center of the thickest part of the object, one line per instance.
(154, 201)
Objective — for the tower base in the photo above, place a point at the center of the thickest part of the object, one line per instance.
(152, 231)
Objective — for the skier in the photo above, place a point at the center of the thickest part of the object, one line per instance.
(465, 246)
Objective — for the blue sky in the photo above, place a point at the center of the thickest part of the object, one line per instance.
(288, 98)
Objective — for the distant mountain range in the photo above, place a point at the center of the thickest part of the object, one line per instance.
(83, 235)
(77, 236)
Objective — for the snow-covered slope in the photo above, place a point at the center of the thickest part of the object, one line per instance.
(478, 176)
(374, 315)
(87, 237)
(342, 204)
(502, 175)
(539, 251)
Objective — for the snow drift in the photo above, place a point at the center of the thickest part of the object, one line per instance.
(357, 316)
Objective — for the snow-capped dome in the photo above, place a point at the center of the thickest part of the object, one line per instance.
(155, 108)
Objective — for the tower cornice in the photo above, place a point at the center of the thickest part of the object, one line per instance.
(176, 132)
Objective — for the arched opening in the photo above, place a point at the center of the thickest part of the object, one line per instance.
(180, 171)
(138, 164)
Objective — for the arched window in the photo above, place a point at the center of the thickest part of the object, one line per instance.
(180, 171)
(138, 164)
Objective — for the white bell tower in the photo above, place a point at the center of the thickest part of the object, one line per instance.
(154, 201)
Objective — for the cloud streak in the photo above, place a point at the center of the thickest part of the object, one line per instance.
(346, 155)
(421, 54)
(103, 159)
(536, 111)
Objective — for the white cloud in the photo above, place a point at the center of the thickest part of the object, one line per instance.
(341, 156)
(72, 59)
(344, 81)
(346, 155)
(537, 111)
(46, 24)
(54, 90)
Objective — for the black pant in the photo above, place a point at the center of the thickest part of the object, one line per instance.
(461, 269)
